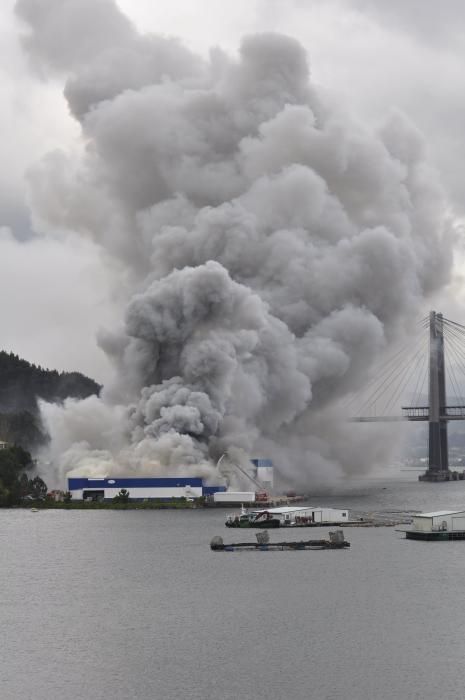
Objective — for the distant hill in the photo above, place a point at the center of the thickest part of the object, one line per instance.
(21, 385)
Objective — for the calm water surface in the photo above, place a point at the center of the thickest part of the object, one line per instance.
(119, 605)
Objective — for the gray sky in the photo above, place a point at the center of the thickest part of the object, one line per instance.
(369, 56)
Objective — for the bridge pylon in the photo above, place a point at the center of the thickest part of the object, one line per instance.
(437, 413)
(438, 450)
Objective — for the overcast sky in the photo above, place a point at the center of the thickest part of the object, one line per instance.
(370, 56)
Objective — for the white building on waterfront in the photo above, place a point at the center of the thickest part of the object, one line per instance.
(440, 521)
(140, 488)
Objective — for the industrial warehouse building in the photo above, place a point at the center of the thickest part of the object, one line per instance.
(165, 488)
(140, 488)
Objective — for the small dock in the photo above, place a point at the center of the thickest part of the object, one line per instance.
(432, 536)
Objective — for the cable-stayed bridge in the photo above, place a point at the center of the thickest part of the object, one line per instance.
(424, 372)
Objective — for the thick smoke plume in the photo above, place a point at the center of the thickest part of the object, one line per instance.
(268, 245)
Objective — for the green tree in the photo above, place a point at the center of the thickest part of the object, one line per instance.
(122, 496)
(24, 488)
(38, 488)
(4, 496)
(14, 483)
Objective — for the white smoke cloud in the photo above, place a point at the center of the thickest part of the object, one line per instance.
(269, 244)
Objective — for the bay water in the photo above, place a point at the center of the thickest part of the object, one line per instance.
(121, 605)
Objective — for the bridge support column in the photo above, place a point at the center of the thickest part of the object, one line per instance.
(438, 459)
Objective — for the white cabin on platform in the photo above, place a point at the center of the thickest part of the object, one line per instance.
(440, 521)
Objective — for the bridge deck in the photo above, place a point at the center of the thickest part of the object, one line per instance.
(414, 413)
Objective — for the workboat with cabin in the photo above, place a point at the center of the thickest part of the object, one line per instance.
(253, 518)
(288, 516)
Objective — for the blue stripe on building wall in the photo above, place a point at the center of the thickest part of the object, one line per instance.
(75, 484)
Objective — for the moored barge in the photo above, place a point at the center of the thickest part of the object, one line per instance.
(437, 525)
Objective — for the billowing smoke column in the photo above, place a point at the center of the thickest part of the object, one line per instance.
(268, 246)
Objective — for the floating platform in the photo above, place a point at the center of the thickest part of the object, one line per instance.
(273, 523)
(437, 525)
(432, 536)
(336, 541)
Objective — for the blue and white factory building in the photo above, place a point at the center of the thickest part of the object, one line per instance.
(140, 488)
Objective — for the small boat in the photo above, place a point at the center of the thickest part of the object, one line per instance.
(336, 541)
(260, 518)
(34, 510)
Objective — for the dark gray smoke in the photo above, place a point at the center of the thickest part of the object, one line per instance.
(269, 246)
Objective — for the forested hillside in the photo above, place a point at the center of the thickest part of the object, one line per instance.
(21, 384)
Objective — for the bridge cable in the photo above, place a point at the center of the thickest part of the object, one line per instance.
(397, 373)
(404, 382)
(385, 368)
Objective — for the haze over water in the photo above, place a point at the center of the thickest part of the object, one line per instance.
(109, 604)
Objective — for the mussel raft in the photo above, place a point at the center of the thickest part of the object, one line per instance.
(336, 541)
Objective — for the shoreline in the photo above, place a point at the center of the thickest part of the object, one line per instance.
(83, 505)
